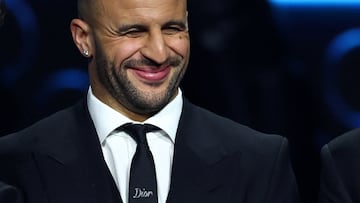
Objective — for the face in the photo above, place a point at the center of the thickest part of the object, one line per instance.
(140, 52)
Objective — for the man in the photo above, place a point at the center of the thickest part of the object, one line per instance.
(340, 182)
(138, 52)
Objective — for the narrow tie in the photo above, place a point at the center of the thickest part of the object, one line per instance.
(142, 183)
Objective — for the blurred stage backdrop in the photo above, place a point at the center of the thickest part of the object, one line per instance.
(288, 67)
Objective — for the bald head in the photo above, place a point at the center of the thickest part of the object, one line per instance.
(86, 8)
(89, 10)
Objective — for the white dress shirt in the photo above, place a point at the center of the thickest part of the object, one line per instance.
(118, 147)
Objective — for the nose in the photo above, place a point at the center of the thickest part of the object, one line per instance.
(155, 47)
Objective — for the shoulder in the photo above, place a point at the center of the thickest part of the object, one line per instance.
(233, 134)
(347, 143)
(340, 162)
(342, 155)
(41, 132)
(344, 145)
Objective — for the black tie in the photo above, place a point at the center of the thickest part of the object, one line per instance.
(142, 184)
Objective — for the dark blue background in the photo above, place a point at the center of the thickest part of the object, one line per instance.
(288, 67)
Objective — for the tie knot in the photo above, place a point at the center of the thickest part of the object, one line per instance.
(138, 131)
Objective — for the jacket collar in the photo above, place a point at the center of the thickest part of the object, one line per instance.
(199, 160)
(82, 157)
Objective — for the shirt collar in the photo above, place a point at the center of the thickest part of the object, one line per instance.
(106, 119)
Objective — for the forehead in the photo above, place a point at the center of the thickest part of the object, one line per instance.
(143, 8)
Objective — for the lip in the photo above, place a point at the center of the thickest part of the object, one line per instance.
(152, 75)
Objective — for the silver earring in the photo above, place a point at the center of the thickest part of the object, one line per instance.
(86, 53)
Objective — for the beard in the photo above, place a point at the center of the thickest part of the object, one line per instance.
(120, 87)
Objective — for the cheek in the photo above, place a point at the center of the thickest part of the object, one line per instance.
(181, 45)
(124, 50)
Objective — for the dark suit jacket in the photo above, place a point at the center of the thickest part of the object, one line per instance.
(59, 160)
(9, 193)
(340, 176)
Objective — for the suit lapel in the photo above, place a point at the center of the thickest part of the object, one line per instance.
(202, 167)
(104, 184)
(74, 170)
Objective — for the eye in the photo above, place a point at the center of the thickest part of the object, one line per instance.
(133, 33)
(174, 27)
(172, 30)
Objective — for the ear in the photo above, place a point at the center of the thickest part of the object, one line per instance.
(80, 31)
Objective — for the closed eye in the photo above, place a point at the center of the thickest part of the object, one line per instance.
(172, 30)
(134, 33)
(132, 30)
(174, 27)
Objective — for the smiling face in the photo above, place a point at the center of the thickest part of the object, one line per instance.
(140, 51)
